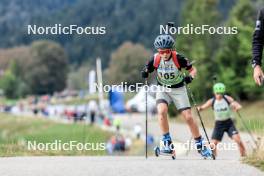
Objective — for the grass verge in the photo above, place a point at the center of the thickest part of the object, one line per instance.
(257, 157)
(16, 132)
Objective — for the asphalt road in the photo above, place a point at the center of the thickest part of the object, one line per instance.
(123, 166)
(227, 164)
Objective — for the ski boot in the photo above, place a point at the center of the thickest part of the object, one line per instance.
(204, 150)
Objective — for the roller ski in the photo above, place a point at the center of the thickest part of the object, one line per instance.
(204, 150)
(166, 149)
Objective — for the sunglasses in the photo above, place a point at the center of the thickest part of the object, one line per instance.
(167, 51)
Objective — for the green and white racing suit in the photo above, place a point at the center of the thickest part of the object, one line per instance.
(169, 75)
(222, 110)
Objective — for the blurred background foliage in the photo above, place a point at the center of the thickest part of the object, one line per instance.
(44, 64)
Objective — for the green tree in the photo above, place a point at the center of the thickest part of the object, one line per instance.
(126, 63)
(11, 82)
(200, 47)
(78, 78)
(8, 83)
(233, 58)
(47, 69)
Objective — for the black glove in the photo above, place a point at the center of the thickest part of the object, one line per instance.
(144, 74)
(188, 79)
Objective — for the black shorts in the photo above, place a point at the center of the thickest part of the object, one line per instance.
(224, 126)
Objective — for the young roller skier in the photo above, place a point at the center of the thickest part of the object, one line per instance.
(169, 64)
(222, 105)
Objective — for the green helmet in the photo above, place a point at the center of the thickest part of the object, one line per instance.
(219, 88)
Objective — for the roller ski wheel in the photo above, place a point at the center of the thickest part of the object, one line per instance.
(158, 153)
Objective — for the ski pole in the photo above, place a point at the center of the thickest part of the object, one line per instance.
(245, 126)
(146, 118)
(198, 112)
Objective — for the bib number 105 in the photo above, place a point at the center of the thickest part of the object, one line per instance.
(167, 75)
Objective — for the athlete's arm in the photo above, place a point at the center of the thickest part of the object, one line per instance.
(258, 39)
(185, 63)
(234, 104)
(148, 68)
(150, 65)
(257, 48)
(206, 105)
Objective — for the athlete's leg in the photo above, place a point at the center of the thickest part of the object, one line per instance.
(181, 101)
(162, 101)
(199, 141)
(162, 109)
(217, 135)
(237, 139)
(233, 133)
(187, 115)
